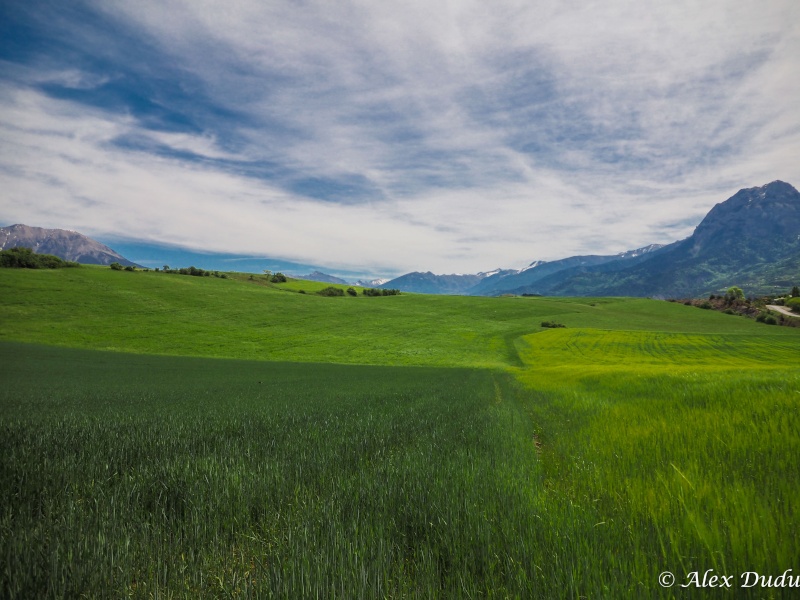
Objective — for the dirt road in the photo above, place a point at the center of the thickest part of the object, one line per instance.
(783, 310)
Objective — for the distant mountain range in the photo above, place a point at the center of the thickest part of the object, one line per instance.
(752, 240)
(371, 283)
(69, 245)
(325, 278)
(322, 277)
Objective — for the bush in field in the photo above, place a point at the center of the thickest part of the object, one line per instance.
(352, 292)
(552, 324)
(115, 266)
(25, 258)
(793, 304)
(766, 318)
(331, 291)
(278, 278)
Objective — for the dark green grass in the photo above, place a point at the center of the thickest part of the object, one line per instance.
(127, 475)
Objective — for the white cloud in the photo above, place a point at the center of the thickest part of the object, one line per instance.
(483, 134)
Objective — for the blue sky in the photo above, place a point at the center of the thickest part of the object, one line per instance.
(378, 138)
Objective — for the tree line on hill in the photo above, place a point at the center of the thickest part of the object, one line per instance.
(193, 271)
(25, 258)
(334, 291)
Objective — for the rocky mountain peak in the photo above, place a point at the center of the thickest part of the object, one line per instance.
(769, 213)
(69, 245)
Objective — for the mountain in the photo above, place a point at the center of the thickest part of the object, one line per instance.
(371, 283)
(428, 283)
(514, 281)
(752, 240)
(500, 281)
(455, 284)
(322, 277)
(69, 245)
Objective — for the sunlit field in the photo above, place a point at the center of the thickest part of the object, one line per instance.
(686, 445)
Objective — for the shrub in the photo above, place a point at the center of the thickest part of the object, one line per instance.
(25, 258)
(734, 294)
(331, 291)
(130, 268)
(278, 278)
(706, 305)
(793, 304)
(552, 324)
(115, 266)
(352, 292)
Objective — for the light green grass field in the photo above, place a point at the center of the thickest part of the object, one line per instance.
(521, 462)
(98, 308)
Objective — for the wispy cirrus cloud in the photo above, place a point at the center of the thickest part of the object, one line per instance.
(390, 137)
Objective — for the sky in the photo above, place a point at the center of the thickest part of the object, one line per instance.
(378, 138)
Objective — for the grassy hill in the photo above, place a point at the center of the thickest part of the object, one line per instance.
(399, 446)
(149, 312)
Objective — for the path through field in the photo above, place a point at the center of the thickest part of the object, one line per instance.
(783, 310)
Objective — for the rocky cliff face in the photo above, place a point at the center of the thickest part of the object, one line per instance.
(759, 221)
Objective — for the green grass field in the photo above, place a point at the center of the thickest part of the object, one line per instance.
(401, 446)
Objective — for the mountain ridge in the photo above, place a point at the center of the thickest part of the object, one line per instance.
(751, 240)
(66, 244)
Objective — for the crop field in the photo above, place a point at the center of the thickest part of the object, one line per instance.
(137, 476)
(686, 444)
(176, 436)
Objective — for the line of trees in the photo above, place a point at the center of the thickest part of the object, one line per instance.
(25, 258)
(335, 291)
(193, 271)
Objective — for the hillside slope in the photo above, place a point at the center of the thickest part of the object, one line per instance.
(150, 312)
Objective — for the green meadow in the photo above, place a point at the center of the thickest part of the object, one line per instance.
(176, 436)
